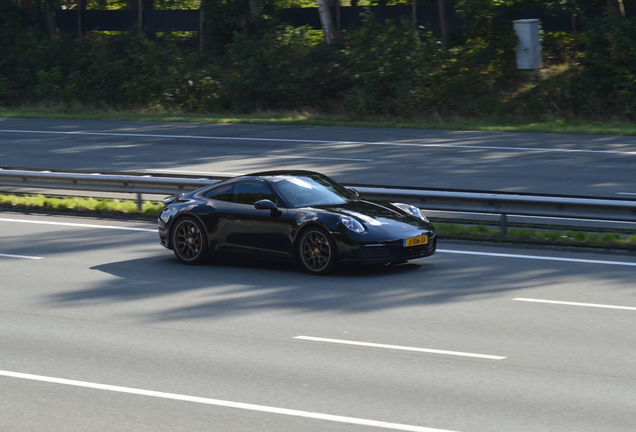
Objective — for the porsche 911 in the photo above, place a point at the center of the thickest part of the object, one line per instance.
(300, 216)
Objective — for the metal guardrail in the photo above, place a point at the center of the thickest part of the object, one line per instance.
(136, 184)
(503, 204)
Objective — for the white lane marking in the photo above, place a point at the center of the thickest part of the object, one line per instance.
(79, 225)
(21, 256)
(536, 257)
(311, 157)
(576, 304)
(222, 403)
(379, 143)
(400, 347)
(625, 193)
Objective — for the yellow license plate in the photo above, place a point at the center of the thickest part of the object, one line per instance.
(415, 241)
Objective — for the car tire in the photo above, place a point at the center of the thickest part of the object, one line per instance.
(189, 241)
(317, 251)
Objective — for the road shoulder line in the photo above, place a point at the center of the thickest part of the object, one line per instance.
(221, 403)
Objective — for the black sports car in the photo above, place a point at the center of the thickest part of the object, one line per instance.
(293, 215)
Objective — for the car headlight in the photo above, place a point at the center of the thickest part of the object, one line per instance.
(352, 224)
(412, 210)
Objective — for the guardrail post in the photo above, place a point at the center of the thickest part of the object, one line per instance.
(504, 224)
(139, 203)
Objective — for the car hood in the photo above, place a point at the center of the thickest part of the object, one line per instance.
(379, 216)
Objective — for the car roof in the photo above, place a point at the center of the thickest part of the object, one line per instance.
(265, 175)
(282, 173)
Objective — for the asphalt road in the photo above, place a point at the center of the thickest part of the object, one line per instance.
(102, 330)
(487, 161)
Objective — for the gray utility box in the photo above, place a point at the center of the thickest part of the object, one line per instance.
(529, 45)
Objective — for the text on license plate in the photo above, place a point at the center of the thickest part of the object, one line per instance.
(415, 241)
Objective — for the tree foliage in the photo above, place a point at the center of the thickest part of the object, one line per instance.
(260, 63)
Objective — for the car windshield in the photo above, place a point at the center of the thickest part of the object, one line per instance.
(311, 190)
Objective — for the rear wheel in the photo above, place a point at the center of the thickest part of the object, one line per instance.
(317, 251)
(189, 241)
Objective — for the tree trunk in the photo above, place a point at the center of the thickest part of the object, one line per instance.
(51, 22)
(81, 7)
(25, 5)
(140, 6)
(34, 8)
(443, 22)
(255, 7)
(145, 4)
(326, 21)
(615, 9)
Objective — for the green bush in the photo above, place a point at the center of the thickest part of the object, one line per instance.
(610, 62)
(580, 236)
(256, 63)
(196, 90)
(481, 229)
(390, 68)
(522, 234)
(284, 68)
(610, 237)
(551, 235)
(124, 70)
(601, 85)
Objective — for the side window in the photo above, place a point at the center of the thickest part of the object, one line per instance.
(250, 192)
(221, 193)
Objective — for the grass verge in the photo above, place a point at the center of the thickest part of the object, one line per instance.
(604, 240)
(150, 209)
(309, 118)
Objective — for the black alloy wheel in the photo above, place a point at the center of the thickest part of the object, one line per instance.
(317, 251)
(189, 241)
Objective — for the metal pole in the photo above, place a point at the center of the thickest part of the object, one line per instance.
(504, 224)
(201, 16)
(441, 6)
(415, 13)
(140, 15)
(79, 20)
(576, 37)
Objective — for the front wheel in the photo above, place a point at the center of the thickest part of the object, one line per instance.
(317, 251)
(189, 241)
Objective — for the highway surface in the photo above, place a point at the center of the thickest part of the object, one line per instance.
(487, 161)
(102, 330)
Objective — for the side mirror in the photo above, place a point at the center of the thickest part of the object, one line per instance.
(264, 205)
(353, 191)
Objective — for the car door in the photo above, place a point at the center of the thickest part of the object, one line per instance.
(257, 231)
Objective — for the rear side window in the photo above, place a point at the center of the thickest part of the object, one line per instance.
(250, 192)
(221, 193)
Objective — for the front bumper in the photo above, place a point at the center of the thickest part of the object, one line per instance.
(395, 252)
(385, 252)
